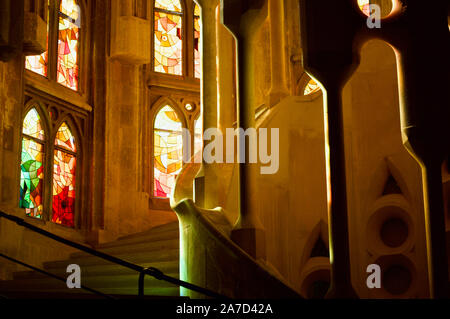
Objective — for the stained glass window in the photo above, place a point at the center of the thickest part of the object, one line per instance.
(168, 5)
(311, 87)
(168, 151)
(67, 59)
(68, 42)
(168, 41)
(32, 165)
(64, 165)
(197, 67)
(65, 139)
(364, 5)
(32, 125)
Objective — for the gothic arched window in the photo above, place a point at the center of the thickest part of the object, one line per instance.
(364, 5)
(60, 62)
(32, 165)
(36, 161)
(167, 151)
(63, 198)
(69, 22)
(168, 37)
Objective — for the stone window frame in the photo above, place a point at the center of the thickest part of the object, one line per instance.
(49, 83)
(53, 112)
(187, 80)
(187, 119)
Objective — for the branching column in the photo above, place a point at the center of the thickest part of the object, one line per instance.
(328, 29)
(242, 18)
(331, 33)
(419, 32)
(205, 187)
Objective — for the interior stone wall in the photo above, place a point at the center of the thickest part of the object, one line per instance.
(130, 213)
(15, 241)
(292, 202)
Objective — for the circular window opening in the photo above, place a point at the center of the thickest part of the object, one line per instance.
(397, 279)
(318, 289)
(394, 232)
(385, 7)
(189, 106)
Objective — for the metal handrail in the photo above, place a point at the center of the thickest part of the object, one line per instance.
(151, 271)
(54, 276)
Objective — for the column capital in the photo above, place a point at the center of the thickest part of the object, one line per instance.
(232, 14)
(207, 3)
(11, 33)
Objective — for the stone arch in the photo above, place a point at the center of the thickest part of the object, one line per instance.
(43, 114)
(163, 101)
(74, 129)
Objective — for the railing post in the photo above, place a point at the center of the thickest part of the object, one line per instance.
(141, 283)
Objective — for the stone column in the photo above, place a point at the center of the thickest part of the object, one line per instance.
(98, 148)
(419, 32)
(327, 41)
(242, 19)
(130, 50)
(226, 100)
(208, 87)
(278, 89)
(225, 76)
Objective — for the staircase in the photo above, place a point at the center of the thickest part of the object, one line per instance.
(157, 247)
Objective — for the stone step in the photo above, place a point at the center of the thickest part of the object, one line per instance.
(119, 282)
(173, 291)
(158, 292)
(174, 226)
(157, 247)
(99, 270)
(136, 258)
(146, 237)
(172, 243)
